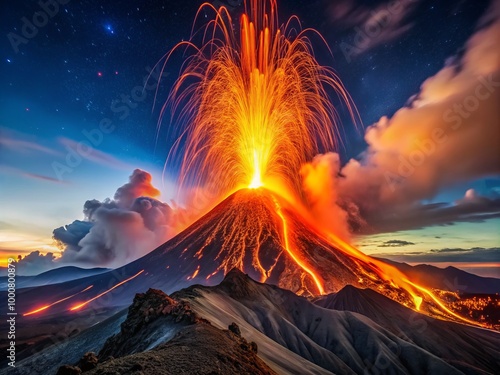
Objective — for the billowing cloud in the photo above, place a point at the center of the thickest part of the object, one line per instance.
(70, 235)
(448, 134)
(139, 186)
(117, 231)
(35, 263)
(319, 176)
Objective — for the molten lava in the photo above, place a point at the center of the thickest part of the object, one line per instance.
(83, 304)
(45, 307)
(253, 103)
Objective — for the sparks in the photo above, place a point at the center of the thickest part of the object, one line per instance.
(43, 308)
(79, 306)
(255, 103)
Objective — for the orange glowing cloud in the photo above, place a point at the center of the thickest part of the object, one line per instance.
(447, 135)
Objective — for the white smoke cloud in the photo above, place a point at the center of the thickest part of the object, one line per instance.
(119, 230)
(35, 263)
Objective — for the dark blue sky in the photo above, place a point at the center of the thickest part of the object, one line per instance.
(91, 53)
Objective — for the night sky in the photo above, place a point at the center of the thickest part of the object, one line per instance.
(85, 64)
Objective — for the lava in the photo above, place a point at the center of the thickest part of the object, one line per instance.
(252, 103)
(79, 306)
(195, 273)
(442, 305)
(43, 308)
(292, 254)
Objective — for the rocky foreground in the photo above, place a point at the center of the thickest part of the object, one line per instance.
(196, 346)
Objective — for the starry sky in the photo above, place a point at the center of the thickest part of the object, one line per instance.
(84, 69)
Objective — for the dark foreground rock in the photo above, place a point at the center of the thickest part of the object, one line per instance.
(162, 335)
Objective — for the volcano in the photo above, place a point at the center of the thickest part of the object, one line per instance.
(253, 230)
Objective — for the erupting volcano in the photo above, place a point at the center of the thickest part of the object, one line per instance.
(254, 103)
(254, 106)
(254, 114)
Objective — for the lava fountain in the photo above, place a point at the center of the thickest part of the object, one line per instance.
(254, 103)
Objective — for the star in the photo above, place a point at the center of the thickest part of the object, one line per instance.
(109, 28)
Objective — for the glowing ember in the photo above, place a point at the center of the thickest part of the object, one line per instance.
(195, 273)
(79, 306)
(43, 308)
(254, 108)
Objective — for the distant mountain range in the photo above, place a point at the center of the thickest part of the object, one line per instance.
(449, 278)
(55, 276)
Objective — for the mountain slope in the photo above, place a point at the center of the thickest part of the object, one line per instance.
(435, 336)
(339, 341)
(293, 335)
(159, 331)
(253, 230)
(449, 278)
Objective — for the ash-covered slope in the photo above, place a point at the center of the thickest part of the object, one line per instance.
(467, 348)
(342, 341)
(253, 230)
(163, 336)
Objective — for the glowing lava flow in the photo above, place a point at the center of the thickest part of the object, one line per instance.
(292, 254)
(442, 305)
(385, 271)
(43, 308)
(79, 306)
